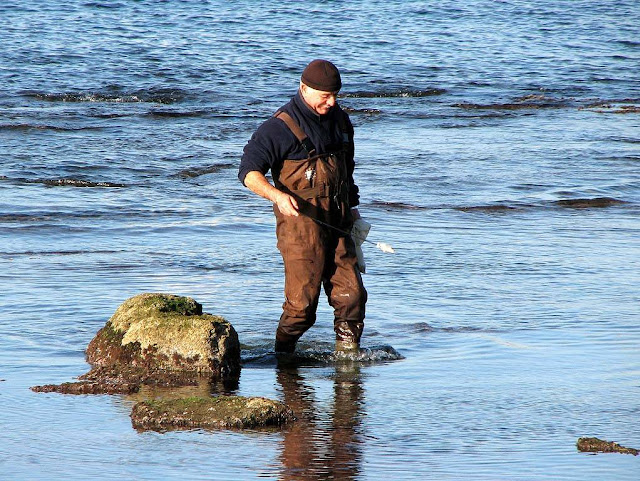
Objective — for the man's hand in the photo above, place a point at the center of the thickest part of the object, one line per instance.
(258, 183)
(287, 204)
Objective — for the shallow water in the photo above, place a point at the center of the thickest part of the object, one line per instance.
(498, 152)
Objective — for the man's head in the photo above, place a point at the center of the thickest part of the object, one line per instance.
(319, 85)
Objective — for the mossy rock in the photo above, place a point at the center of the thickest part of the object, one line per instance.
(160, 340)
(210, 413)
(166, 332)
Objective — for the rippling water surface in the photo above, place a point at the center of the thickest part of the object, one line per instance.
(498, 151)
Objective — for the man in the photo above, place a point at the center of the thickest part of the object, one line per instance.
(308, 146)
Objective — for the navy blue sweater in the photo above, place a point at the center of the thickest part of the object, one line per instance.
(273, 142)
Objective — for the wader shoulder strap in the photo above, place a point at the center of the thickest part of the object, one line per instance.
(344, 128)
(297, 131)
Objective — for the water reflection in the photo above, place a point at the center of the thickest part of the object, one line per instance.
(324, 443)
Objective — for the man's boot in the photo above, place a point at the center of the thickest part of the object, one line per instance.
(347, 346)
(348, 335)
(287, 347)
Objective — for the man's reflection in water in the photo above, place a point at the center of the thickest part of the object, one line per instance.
(324, 443)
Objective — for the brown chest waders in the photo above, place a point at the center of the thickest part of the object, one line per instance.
(315, 255)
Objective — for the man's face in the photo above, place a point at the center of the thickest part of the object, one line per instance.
(319, 101)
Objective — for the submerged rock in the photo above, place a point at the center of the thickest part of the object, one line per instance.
(89, 387)
(157, 339)
(210, 413)
(595, 445)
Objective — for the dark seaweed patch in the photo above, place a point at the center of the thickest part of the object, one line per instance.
(597, 202)
(609, 108)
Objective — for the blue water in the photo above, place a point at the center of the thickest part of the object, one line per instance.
(497, 149)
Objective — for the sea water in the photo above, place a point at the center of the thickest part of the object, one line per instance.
(497, 150)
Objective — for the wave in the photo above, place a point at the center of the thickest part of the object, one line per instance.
(421, 327)
(55, 128)
(58, 253)
(394, 93)
(318, 356)
(527, 102)
(424, 327)
(177, 113)
(75, 183)
(629, 43)
(578, 203)
(114, 5)
(153, 95)
(57, 216)
(394, 205)
(63, 182)
(208, 169)
(352, 111)
(488, 208)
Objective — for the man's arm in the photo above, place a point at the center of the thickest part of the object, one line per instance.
(258, 183)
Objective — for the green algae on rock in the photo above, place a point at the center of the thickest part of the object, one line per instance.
(595, 445)
(222, 412)
(158, 339)
(168, 332)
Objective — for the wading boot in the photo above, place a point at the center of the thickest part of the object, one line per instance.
(348, 335)
(285, 347)
(347, 346)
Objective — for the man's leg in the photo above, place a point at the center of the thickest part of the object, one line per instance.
(303, 253)
(347, 294)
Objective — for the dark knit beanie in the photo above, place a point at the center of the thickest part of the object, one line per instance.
(322, 75)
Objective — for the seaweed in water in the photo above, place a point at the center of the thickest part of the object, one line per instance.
(595, 445)
(589, 203)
